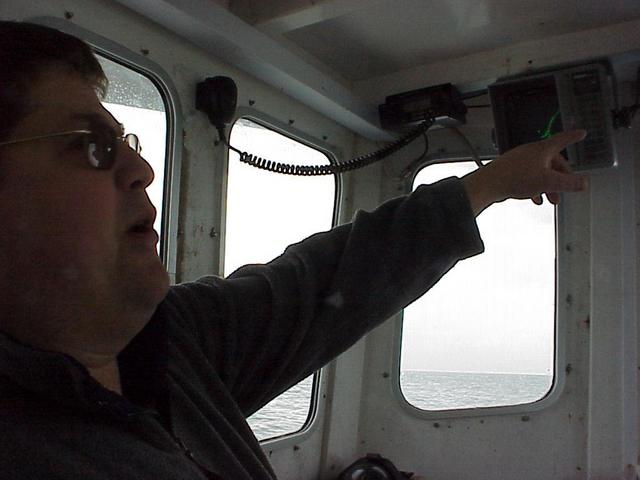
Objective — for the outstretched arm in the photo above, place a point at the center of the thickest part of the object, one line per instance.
(527, 171)
(268, 326)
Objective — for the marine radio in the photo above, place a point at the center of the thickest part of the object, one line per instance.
(536, 106)
(441, 104)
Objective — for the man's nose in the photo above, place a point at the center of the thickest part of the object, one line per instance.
(132, 171)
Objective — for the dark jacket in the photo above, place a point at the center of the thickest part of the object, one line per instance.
(217, 350)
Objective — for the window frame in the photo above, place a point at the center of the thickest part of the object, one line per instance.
(560, 338)
(173, 143)
(321, 377)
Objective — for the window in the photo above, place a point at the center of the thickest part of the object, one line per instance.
(265, 213)
(135, 102)
(484, 336)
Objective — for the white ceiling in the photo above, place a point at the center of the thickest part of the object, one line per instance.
(385, 38)
(362, 39)
(323, 51)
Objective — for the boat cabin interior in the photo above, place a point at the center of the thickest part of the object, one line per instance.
(268, 121)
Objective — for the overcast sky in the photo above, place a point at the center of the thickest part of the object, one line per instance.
(493, 312)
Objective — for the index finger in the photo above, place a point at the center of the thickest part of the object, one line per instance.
(562, 140)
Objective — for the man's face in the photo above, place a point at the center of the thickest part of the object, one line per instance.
(69, 252)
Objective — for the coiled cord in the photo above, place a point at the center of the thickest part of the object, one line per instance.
(334, 168)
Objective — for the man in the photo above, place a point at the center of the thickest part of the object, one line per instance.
(105, 370)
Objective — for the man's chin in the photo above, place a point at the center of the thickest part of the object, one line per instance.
(160, 285)
(148, 286)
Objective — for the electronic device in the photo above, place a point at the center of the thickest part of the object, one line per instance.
(441, 103)
(536, 106)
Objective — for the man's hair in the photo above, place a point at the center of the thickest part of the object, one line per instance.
(28, 50)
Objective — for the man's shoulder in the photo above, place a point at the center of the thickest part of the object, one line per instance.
(204, 292)
(191, 301)
(209, 283)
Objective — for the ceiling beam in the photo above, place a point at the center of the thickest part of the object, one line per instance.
(314, 13)
(228, 38)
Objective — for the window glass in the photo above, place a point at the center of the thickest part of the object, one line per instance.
(135, 102)
(265, 213)
(484, 335)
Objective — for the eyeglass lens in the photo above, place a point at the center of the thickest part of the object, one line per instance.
(102, 146)
(99, 149)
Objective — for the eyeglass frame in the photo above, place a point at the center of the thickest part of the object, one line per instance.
(131, 139)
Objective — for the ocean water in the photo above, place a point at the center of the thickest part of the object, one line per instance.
(456, 390)
(426, 390)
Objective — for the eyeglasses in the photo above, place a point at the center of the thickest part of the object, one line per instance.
(100, 144)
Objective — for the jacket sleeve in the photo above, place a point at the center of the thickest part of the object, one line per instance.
(267, 327)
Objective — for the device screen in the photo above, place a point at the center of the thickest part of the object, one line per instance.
(531, 111)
